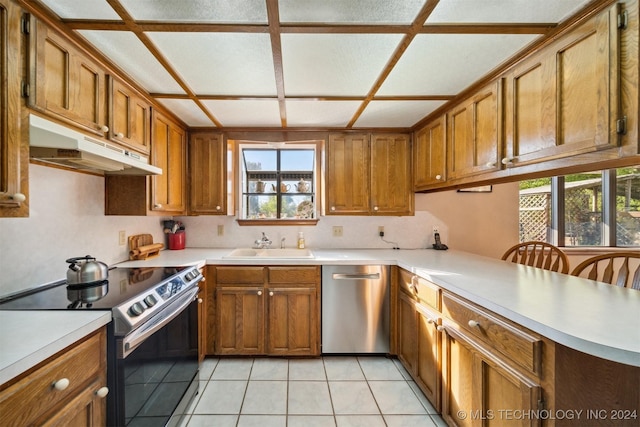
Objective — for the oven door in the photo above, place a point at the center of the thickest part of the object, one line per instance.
(156, 367)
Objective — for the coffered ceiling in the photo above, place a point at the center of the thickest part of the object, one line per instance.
(338, 64)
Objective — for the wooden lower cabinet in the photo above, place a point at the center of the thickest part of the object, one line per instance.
(264, 310)
(33, 400)
(483, 389)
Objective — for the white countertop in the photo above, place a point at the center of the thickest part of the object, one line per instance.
(29, 337)
(595, 318)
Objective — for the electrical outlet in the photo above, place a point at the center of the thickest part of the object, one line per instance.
(220, 230)
(122, 237)
(337, 231)
(381, 230)
(435, 229)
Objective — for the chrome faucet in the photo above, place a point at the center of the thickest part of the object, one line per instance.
(264, 242)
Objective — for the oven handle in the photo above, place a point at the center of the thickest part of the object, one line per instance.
(137, 337)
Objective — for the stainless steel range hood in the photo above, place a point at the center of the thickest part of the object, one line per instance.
(54, 143)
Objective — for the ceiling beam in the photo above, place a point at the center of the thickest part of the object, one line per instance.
(273, 16)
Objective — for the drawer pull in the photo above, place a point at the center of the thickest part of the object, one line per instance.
(259, 293)
(473, 324)
(102, 392)
(61, 384)
(270, 293)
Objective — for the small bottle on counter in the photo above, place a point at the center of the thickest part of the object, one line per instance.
(300, 240)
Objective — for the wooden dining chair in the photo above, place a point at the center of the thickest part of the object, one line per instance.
(538, 254)
(616, 268)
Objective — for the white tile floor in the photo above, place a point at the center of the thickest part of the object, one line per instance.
(329, 391)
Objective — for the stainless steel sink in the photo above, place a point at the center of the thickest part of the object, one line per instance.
(250, 253)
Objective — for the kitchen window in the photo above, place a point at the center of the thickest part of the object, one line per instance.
(600, 208)
(278, 183)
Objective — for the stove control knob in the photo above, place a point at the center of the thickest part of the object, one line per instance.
(150, 300)
(136, 309)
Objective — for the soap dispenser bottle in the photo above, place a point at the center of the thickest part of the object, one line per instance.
(300, 240)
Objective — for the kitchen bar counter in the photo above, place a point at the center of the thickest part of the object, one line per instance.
(30, 337)
(591, 317)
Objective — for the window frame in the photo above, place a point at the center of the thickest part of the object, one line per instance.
(241, 176)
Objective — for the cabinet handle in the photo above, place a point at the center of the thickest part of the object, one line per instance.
(440, 328)
(259, 293)
(61, 384)
(218, 208)
(18, 197)
(270, 293)
(375, 208)
(507, 161)
(491, 165)
(157, 206)
(204, 279)
(102, 392)
(200, 300)
(104, 128)
(333, 208)
(473, 324)
(120, 135)
(439, 177)
(430, 320)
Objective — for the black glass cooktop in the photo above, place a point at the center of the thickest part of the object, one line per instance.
(121, 285)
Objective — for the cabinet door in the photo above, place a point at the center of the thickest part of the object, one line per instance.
(240, 320)
(482, 389)
(430, 155)
(14, 147)
(129, 117)
(86, 409)
(208, 174)
(348, 162)
(65, 83)
(168, 153)
(564, 101)
(407, 333)
(391, 177)
(475, 133)
(428, 354)
(292, 324)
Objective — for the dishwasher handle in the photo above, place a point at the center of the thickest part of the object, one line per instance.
(357, 276)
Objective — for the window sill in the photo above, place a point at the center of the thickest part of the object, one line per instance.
(271, 221)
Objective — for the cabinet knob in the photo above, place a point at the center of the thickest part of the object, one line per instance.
(61, 384)
(104, 128)
(333, 208)
(439, 177)
(200, 300)
(102, 392)
(18, 197)
(157, 206)
(473, 324)
(491, 165)
(375, 208)
(120, 135)
(259, 293)
(204, 279)
(507, 161)
(270, 293)
(440, 328)
(431, 321)
(218, 208)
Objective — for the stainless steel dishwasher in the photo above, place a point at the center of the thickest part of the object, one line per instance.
(355, 309)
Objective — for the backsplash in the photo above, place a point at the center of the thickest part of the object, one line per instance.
(67, 220)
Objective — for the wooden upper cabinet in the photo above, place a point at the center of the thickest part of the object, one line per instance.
(391, 177)
(369, 174)
(348, 168)
(207, 173)
(14, 144)
(475, 138)
(564, 100)
(168, 191)
(430, 154)
(64, 83)
(129, 116)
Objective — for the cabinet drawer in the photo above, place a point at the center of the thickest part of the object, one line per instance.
(521, 347)
(294, 275)
(240, 275)
(420, 289)
(33, 395)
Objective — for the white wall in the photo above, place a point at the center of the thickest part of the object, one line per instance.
(67, 220)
